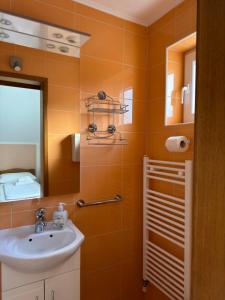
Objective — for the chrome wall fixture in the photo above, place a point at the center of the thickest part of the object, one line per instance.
(40, 35)
(81, 203)
(103, 103)
(106, 105)
(16, 63)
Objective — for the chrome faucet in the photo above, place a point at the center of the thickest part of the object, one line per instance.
(41, 221)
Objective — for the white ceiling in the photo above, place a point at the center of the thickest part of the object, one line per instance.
(144, 12)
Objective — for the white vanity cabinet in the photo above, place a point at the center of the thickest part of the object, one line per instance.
(60, 283)
(65, 286)
(33, 291)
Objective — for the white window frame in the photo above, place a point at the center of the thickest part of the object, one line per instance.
(189, 83)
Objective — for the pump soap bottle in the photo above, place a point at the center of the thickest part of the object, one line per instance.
(60, 216)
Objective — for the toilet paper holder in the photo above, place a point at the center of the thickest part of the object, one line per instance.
(177, 143)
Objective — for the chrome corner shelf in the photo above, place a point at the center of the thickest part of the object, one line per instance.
(122, 110)
(102, 103)
(108, 142)
(105, 138)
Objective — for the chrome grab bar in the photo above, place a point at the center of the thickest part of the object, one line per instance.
(81, 203)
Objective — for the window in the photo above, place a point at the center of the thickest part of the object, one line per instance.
(180, 81)
(189, 84)
(170, 89)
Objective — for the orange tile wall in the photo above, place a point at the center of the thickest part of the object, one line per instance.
(175, 65)
(113, 60)
(175, 25)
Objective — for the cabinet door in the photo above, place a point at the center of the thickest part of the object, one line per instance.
(33, 291)
(63, 287)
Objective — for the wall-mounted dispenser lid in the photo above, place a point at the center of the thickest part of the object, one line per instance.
(75, 147)
(40, 35)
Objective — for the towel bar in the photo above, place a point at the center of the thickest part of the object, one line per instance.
(81, 203)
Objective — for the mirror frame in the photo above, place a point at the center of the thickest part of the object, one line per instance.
(44, 95)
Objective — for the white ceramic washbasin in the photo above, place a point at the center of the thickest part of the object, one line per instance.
(24, 250)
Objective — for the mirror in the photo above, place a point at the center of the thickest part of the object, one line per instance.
(180, 81)
(21, 140)
(39, 109)
(35, 160)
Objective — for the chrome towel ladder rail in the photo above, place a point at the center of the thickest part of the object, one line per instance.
(170, 218)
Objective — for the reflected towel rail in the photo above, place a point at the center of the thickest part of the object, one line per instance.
(81, 203)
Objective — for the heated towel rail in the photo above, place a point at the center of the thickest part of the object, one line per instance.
(170, 218)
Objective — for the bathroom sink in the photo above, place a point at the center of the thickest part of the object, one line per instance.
(24, 250)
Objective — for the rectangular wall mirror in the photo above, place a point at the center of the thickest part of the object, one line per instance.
(26, 143)
(39, 109)
(23, 173)
(180, 81)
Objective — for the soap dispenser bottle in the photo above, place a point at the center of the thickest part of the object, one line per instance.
(60, 216)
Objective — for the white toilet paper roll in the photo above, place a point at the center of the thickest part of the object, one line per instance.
(177, 144)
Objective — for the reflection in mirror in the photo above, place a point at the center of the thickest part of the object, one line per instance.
(21, 140)
(127, 96)
(181, 81)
